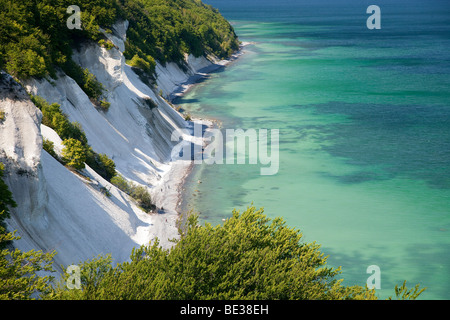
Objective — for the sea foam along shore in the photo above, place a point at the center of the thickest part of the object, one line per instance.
(169, 192)
(180, 170)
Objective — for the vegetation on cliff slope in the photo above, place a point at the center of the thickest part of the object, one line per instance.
(35, 39)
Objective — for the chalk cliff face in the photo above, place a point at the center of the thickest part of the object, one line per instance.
(20, 148)
(63, 211)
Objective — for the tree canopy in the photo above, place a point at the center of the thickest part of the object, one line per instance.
(170, 28)
(248, 257)
(34, 38)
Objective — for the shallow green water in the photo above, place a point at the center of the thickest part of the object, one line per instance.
(364, 144)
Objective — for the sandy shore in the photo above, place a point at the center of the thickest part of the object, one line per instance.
(169, 195)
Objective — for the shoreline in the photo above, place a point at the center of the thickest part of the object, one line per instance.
(176, 178)
(204, 73)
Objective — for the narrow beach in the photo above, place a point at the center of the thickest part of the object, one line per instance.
(170, 192)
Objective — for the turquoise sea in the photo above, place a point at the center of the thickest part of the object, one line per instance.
(364, 122)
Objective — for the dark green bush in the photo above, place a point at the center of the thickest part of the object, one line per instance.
(122, 184)
(139, 193)
(74, 153)
(101, 164)
(104, 105)
(34, 38)
(143, 198)
(48, 146)
(166, 29)
(92, 87)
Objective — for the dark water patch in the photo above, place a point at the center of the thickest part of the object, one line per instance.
(354, 265)
(406, 140)
(439, 254)
(357, 177)
(415, 65)
(185, 101)
(289, 140)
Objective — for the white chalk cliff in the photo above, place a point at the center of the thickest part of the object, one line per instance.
(63, 211)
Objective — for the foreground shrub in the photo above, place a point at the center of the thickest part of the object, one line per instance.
(248, 257)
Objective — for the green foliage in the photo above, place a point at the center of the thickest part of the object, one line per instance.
(90, 85)
(249, 257)
(108, 165)
(34, 38)
(74, 153)
(105, 105)
(101, 164)
(91, 276)
(18, 271)
(122, 184)
(166, 29)
(49, 146)
(108, 44)
(402, 292)
(23, 47)
(2, 116)
(24, 63)
(148, 64)
(86, 80)
(139, 193)
(54, 118)
(143, 198)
